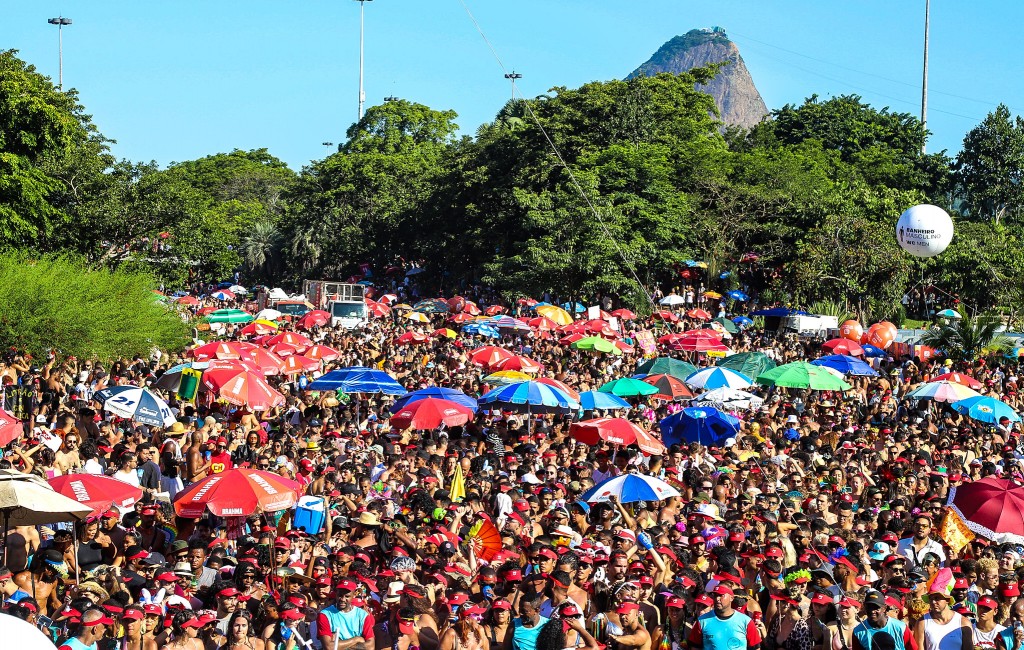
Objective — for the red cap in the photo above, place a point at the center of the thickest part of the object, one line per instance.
(988, 601)
(774, 552)
(111, 514)
(625, 608)
(457, 599)
(153, 609)
(502, 604)
(849, 602)
(704, 599)
(192, 622)
(513, 575)
(132, 614)
(821, 598)
(961, 583)
(722, 590)
(228, 592)
(292, 614)
(674, 602)
(347, 585)
(103, 620)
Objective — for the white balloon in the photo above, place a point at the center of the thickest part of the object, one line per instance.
(924, 230)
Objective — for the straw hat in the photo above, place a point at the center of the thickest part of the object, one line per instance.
(368, 518)
(175, 430)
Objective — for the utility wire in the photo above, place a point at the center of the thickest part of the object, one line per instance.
(558, 154)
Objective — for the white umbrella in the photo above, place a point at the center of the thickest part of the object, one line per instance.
(237, 288)
(20, 634)
(27, 500)
(729, 399)
(672, 300)
(139, 404)
(630, 488)
(268, 314)
(278, 293)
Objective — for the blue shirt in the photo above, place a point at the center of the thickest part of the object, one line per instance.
(525, 638)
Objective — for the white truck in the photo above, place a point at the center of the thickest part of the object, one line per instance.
(811, 325)
(346, 303)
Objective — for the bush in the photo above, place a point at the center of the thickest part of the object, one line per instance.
(60, 304)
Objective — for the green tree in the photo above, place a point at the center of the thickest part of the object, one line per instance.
(990, 168)
(969, 337)
(60, 303)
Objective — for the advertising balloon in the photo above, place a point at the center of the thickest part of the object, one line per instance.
(880, 336)
(890, 328)
(851, 330)
(924, 230)
(456, 304)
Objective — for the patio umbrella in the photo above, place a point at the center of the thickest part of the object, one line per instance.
(629, 488)
(716, 377)
(435, 392)
(742, 321)
(949, 313)
(529, 397)
(628, 387)
(258, 327)
(871, 351)
(573, 307)
(665, 315)
(264, 361)
(750, 364)
(542, 324)
(506, 377)
(801, 374)
(942, 391)
(481, 329)
(649, 443)
(214, 350)
(190, 301)
(444, 333)
(959, 378)
(98, 492)
(668, 366)
(707, 426)
(847, 365)
(698, 344)
(519, 363)
(435, 306)
(843, 346)
(11, 428)
(554, 313)
(357, 379)
(228, 316)
(985, 409)
(223, 295)
(596, 344)
(699, 314)
(727, 324)
(509, 323)
(488, 355)
(269, 314)
(991, 507)
(729, 399)
(412, 338)
(417, 317)
(377, 309)
(624, 314)
(137, 404)
(313, 318)
(237, 493)
(296, 364)
(738, 295)
(322, 353)
(593, 400)
(672, 300)
(431, 413)
(27, 500)
(560, 386)
(243, 387)
(669, 387)
(618, 431)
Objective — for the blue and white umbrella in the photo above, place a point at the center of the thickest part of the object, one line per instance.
(985, 409)
(742, 321)
(138, 404)
(629, 488)
(738, 295)
(529, 397)
(847, 365)
(573, 307)
(707, 426)
(594, 399)
(871, 351)
(221, 295)
(481, 329)
(357, 379)
(711, 378)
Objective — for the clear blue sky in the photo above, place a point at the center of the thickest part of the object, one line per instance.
(174, 81)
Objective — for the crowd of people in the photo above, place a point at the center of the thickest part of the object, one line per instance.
(814, 527)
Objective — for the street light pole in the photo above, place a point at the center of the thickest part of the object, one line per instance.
(60, 21)
(362, 95)
(924, 78)
(513, 76)
(328, 145)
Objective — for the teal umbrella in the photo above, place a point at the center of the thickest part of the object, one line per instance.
(667, 366)
(628, 387)
(750, 364)
(727, 325)
(229, 316)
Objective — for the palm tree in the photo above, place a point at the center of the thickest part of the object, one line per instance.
(261, 244)
(968, 337)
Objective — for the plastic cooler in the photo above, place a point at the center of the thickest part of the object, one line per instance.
(310, 515)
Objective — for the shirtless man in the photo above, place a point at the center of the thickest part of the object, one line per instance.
(22, 541)
(634, 635)
(196, 465)
(43, 579)
(67, 457)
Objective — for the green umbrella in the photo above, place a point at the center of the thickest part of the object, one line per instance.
(628, 387)
(229, 316)
(667, 366)
(750, 364)
(596, 343)
(801, 374)
(727, 324)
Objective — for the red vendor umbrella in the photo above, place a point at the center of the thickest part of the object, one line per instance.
(669, 387)
(411, 338)
(11, 428)
(214, 350)
(188, 300)
(322, 353)
(699, 314)
(299, 341)
(430, 413)
(264, 360)
(97, 491)
(843, 346)
(619, 431)
(296, 364)
(243, 388)
(518, 362)
(649, 444)
(992, 507)
(314, 318)
(695, 344)
(237, 493)
(624, 314)
(489, 355)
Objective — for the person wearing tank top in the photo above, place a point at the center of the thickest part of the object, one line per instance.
(942, 628)
(986, 630)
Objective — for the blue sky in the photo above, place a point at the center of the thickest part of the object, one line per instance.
(178, 80)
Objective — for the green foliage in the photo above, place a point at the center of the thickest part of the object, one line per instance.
(59, 303)
(825, 307)
(990, 168)
(967, 338)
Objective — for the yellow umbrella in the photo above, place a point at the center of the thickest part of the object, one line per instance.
(507, 377)
(556, 314)
(268, 323)
(417, 316)
(401, 306)
(457, 492)
(445, 332)
(714, 295)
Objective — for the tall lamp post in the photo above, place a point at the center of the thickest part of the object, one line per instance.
(924, 77)
(60, 22)
(362, 95)
(328, 145)
(513, 76)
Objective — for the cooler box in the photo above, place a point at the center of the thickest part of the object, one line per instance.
(310, 515)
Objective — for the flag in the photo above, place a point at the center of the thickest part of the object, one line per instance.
(954, 531)
(458, 490)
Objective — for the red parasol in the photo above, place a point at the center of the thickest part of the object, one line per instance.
(257, 328)
(518, 362)
(494, 310)
(542, 324)
(649, 444)
(237, 493)
(296, 364)
(489, 355)
(991, 507)
(412, 338)
(377, 309)
(959, 378)
(843, 346)
(264, 361)
(471, 309)
(11, 428)
(624, 314)
(314, 318)
(299, 341)
(618, 431)
(664, 314)
(560, 386)
(460, 318)
(695, 344)
(669, 387)
(243, 388)
(699, 314)
(188, 300)
(322, 353)
(431, 413)
(97, 491)
(214, 350)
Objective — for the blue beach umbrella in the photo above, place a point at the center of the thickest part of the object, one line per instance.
(138, 404)
(529, 397)
(738, 295)
(358, 379)
(716, 377)
(704, 425)
(481, 329)
(847, 365)
(629, 488)
(594, 399)
(985, 409)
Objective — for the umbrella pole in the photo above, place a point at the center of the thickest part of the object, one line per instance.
(7, 525)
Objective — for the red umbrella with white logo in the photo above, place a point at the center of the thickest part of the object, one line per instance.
(237, 493)
(11, 428)
(618, 431)
(430, 413)
(96, 491)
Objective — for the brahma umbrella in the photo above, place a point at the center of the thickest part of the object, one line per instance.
(357, 379)
(518, 363)
(237, 493)
(98, 492)
(488, 355)
(843, 346)
(618, 431)
(991, 507)
(529, 397)
(299, 341)
(959, 378)
(314, 318)
(629, 488)
(716, 377)
(707, 426)
(243, 387)
(431, 413)
(135, 403)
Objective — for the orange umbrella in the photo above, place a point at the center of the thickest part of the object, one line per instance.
(699, 314)
(649, 444)
(494, 310)
(243, 388)
(296, 364)
(266, 361)
(322, 353)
